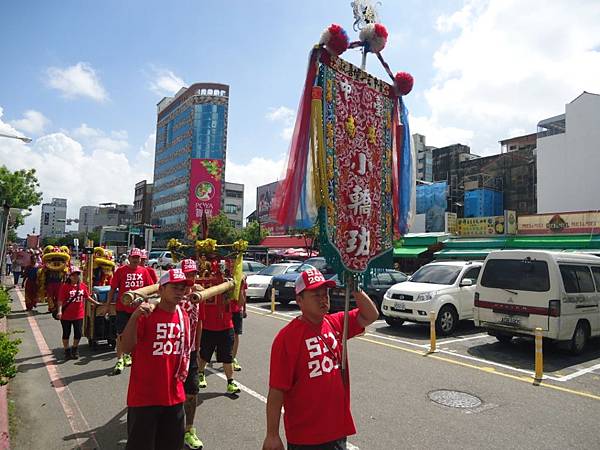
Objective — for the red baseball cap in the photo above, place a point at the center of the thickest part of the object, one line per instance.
(135, 252)
(312, 279)
(172, 276)
(189, 265)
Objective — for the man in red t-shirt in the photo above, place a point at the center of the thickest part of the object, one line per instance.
(306, 377)
(217, 334)
(159, 338)
(127, 278)
(195, 312)
(71, 298)
(150, 269)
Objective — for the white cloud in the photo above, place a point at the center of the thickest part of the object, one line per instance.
(511, 64)
(285, 116)
(86, 166)
(79, 80)
(254, 173)
(164, 82)
(33, 122)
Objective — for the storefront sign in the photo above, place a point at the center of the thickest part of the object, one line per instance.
(510, 222)
(560, 223)
(205, 189)
(451, 223)
(481, 226)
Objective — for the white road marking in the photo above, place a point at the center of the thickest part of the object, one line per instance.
(452, 341)
(258, 396)
(579, 373)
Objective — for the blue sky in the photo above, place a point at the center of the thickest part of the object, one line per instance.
(83, 78)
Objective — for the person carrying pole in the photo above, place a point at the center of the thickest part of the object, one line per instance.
(159, 338)
(305, 375)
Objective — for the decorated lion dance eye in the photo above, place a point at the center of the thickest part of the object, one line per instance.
(335, 39)
(65, 249)
(404, 82)
(48, 248)
(99, 252)
(374, 36)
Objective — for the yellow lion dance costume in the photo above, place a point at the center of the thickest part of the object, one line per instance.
(103, 268)
(54, 270)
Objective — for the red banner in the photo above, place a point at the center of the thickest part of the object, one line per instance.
(206, 180)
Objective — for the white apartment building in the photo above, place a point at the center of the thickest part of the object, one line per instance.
(568, 158)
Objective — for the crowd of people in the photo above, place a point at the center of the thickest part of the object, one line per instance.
(169, 344)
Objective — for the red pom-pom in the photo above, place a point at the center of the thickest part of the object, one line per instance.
(335, 39)
(381, 31)
(404, 81)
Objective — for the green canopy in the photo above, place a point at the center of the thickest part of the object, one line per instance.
(472, 253)
(409, 252)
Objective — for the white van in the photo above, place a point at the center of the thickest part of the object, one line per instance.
(521, 290)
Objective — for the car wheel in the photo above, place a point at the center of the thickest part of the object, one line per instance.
(394, 323)
(580, 338)
(503, 338)
(268, 295)
(284, 302)
(447, 320)
(155, 266)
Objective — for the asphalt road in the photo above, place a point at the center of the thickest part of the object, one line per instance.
(63, 405)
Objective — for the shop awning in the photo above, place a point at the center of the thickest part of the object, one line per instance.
(409, 252)
(471, 253)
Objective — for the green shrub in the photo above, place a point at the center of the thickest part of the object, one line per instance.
(4, 302)
(8, 350)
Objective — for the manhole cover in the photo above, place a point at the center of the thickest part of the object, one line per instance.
(454, 399)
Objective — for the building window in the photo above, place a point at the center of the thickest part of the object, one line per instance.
(231, 209)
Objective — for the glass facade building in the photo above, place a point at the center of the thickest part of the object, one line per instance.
(190, 125)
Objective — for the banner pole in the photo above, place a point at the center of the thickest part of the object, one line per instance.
(345, 332)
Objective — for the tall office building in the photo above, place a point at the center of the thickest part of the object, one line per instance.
(53, 218)
(189, 163)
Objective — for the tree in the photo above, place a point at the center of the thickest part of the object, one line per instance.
(19, 190)
(253, 233)
(221, 229)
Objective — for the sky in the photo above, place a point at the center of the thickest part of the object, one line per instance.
(82, 79)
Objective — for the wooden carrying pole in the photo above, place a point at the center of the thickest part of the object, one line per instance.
(201, 294)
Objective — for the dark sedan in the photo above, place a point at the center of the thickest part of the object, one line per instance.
(284, 285)
(381, 281)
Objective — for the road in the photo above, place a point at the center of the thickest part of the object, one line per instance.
(64, 405)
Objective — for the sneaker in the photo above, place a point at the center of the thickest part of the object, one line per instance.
(201, 380)
(191, 439)
(67, 353)
(127, 360)
(233, 388)
(74, 353)
(119, 366)
(236, 365)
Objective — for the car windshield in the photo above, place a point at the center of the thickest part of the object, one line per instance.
(436, 274)
(304, 267)
(272, 270)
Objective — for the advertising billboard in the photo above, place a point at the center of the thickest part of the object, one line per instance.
(560, 223)
(206, 179)
(481, 226)
(264, 200)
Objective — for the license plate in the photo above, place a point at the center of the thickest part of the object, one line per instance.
(400, 306)
(290, 284)
(510, 320)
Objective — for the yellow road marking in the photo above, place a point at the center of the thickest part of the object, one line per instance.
(490, 370)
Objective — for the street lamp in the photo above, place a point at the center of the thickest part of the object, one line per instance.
(21, 138)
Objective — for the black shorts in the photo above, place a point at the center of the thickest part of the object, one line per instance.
(191, 382)
(66, 326)
(222, 341)
(121, 321)
(339, 444)
(155, 427)
(237, 322)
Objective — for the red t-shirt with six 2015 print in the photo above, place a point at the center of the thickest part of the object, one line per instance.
(128, 279)
(306, 366)
(75, 297)
(155, 360)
